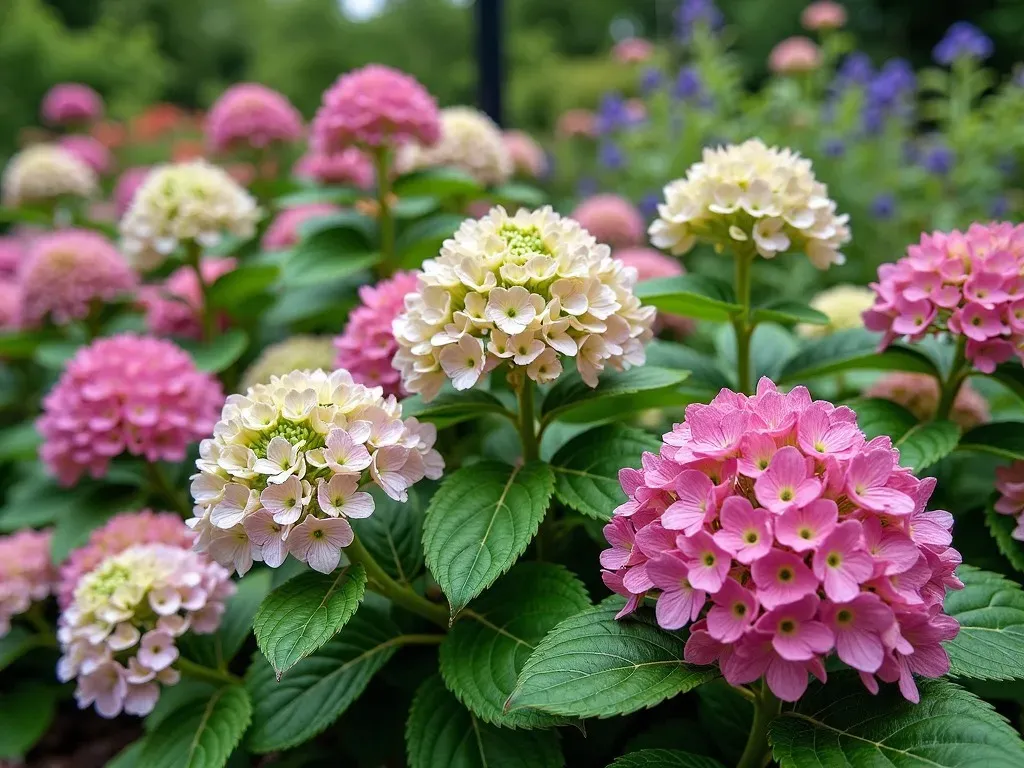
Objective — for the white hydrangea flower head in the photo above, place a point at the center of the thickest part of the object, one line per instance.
(186, 202)
(750, 198)
(294, 353)
(470, 141)
(43, 173)
(524, 290)
(118, 637)
(843, 305)
(290, 462)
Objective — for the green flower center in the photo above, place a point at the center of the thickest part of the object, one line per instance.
(110, 579)
(291, 432)
(523, 242)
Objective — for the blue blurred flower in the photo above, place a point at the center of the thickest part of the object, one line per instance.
(856, 69)
(688, 85)
(586, 187)
(938, 159)
(963, 40)
(610, 156)
(649, 203)
(612, 114)
(889, 93)
(692, 13)
(883, 206)
(650, 80)
(999, 207)
(833, 147)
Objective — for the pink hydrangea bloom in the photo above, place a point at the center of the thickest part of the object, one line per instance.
(67, 273)
(528, 158)
(90, 151)
(823, 15)
(785, 535)
(795, 55)
(10, 305)
(174, 308)
(283, 231)
(633, 50)
(12, 252)
(969, 284)
(919, 394)
(651, 265)
(1010, 484)
(26, 573)
(127, 185)
(71, 103)
(348, 166)
(250, 115)
(125, 394)
(576, 122)
(367, 345)
(374, 107)
(116, 535)
(611, 219)
(118, 635)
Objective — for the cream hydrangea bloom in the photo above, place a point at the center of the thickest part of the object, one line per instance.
(471, 141)
(292, 459)
(843, 305)
(752, 198)
(187, 202)
(526, 290)
(45, 172)
(296, 353)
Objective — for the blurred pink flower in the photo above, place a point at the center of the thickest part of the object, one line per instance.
(70, 104)
(90, 151)
(528, 158)
(633, 50)
(250, 115)
(10, 305)
(823, 15)
(348, 166)
(612, 219)
(26, 573)
(576, 122)
(175, 307)
(1010, 485)
(283, 231)
(919, 394)
(795, 55)
(127, 185)
(13, 250)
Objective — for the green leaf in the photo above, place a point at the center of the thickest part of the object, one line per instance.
(854, 349)
(26, 712)
(480, 521)
(691, 295)
(1010, 375)
(789, 312)
(440, 182)
(704, 370)
(332, 247)
(54, 355)
(592, 665)
(83, 511)
(876, 416)
(392, 534)
(990, 609)
(219, 354)
(843, 724)
(353, 231)
(519, 194)
(1000, 438)
(16, 643)
(20, 441)
(571, 392)
(321, 686)
(241, 283)
(336, 195)
(128, 757)
(414, 207)
(770, 345)
(441, 732)
(200, 736)
(305, 612)
(220, 648)
(1002, 527)
(307, 268)
(22, 345)
(482, 655)
(925, 444)
(451, 406)
(422, 239)
(725, 718)
(664, 758)
(587, 468)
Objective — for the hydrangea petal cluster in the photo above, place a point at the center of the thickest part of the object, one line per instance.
(1010, 484)
(968, 284)
(10, 304)
(576, 122)
(843, 305)
(283, 231)
(367, 346)
(43, 173)
(297, 353)
(346, 166)
(823, 15)
(251, 116)
(120, 532)
(755, 199)
(175, 307)
(13, 250)
(963, 40)
(290, 463)
(783, 535)
(68, 273)
(652, 265)
(633, 50)
(89, 150)
(470, 141)
(919, 394)
(611, 219)
(183, 203)
(128, 184)
(71, 104)
(119, 635)
(26, 573)
(125, 394)
(795, 55)
(528, 157)
(524, 289)
(375, 107)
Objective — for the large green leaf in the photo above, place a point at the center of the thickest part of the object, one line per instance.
(925, 444)
(843, 724)
(1010, 375)
(220, 353)
(592, 665)
(85, 509)
(664, 758)
(200, 736)
(451, 407)
(570, 391)
(990, 610)
(423, 239)
(305, 612)
(22, 345)
(789, 312)
(19, 442)
(876, 417)
(725, 718)
(1002, 527)
(332, 247)
(441, 732)
(336, 195)
(16, 643)
(770, 345)
(854, 349)
(690, 295)
(321, 686)
(221, 647)
(26, 711)
(587, 468)
(482, 655)
(393, 534)
(442, 182)
(480, 521)
(1000, 438)
(514, 193)
(704, 370)
(242, 283)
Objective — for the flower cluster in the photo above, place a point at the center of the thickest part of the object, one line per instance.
(42, 174)
(968, 284)
(367, 346)
(347, 166)
(26, 573)
(843, 305)
(795, 55)
(70, 104)
(527, 156)
(125, 393)
(525, 289)
(68, 273)
(1010, 484)
(919, 394)
(128, 184)
(283, 231)
(375, 107)
(290, 462)
(611, 219)
(633, 50)
(823, 15)
(297, 353)
(576, 122)
(751, 198)
(116, 535)
(652, 265)
(798, 535)
(12, 252)
(89, 150)
(175, 307)
(118, 635)
(189, 202)
(470, 141)
(10, 305)
(697, 16)
(251, 116)
(962, 40)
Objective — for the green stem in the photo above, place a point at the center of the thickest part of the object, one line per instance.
(206, 674)
(526, 422)
(385, 218)
(766, 709)
(957, 376)
(424, 639)
(741, 323)
(45, 636)
(207, 318)
(162, 487)
(384, 585)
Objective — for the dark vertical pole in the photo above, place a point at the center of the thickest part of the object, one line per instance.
(490, 58)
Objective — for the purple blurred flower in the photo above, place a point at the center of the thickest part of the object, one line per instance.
(963, 40)
(586, 187)
(612, 114)
(883, 206)
(693, 13)
(938, 159)
(888, 94)
(833, 147)
(688, 85)
(650, 80)
(610, 155)
(648, 204)
(999, 207)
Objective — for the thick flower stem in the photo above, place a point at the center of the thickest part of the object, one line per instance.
(742, 324)
(957, 376)
(206, 314)
(526, 424)
(206, 674)
(385, 217)
(766, 709)
(384, 585)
